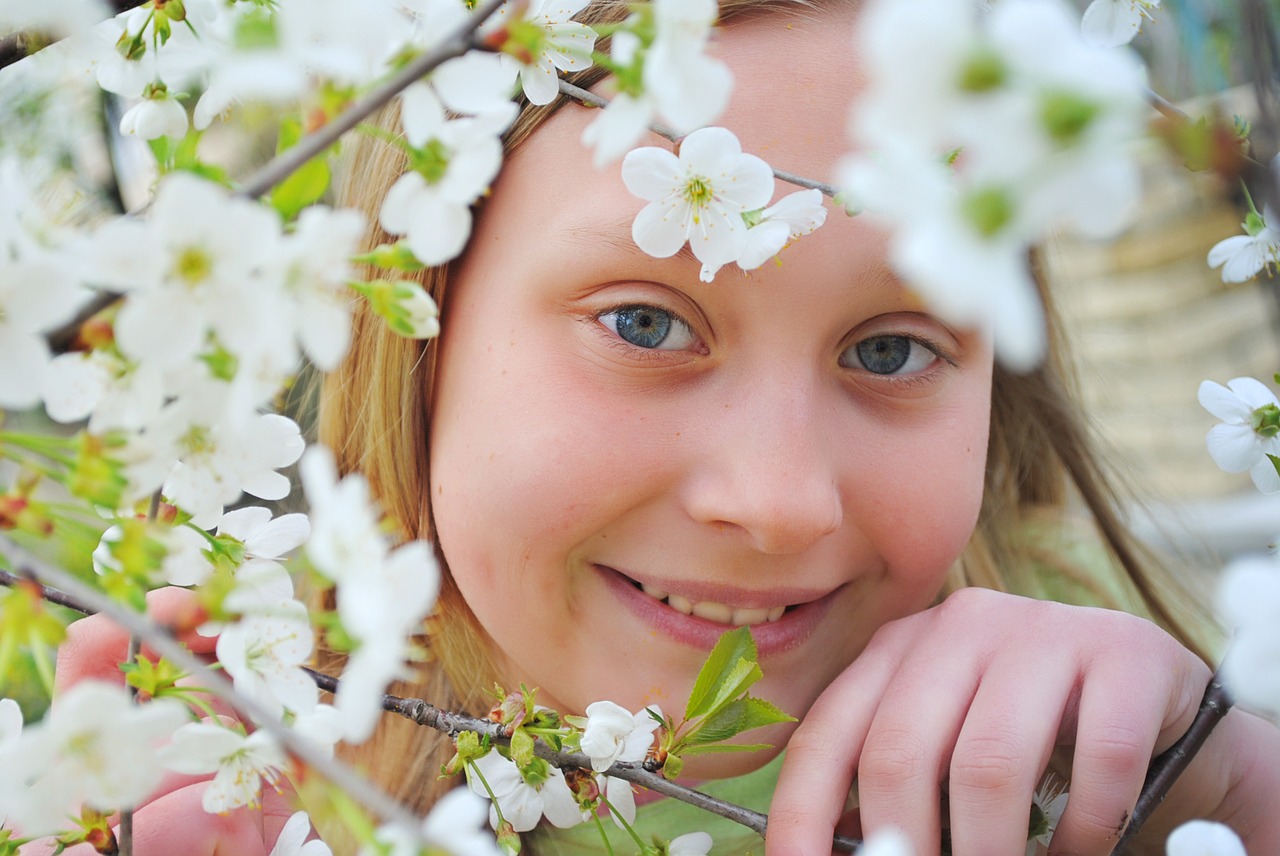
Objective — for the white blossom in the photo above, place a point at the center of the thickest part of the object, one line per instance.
(1044, 126)
(96, 747)
(264, 653)
(183, 563)
(793, 216)
(1203, 838)
(345, 538)
(1051, 801)
(567, 47)
(1249, 428)
(523, 804)
(698, 197)
(156, 116)
(58, 16)
(683, 87)
(10, 724)
(1242, 257)
(1111, 23)
(690, 844)
(455, 825)
(889, 841)
(431, 206)
(293, 839)
(105, 387)
(1249, 602)
(614, 734)
(239, 763)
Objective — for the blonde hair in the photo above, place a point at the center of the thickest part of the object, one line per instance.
(374, 416)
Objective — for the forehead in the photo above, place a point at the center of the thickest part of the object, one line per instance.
(795, 77)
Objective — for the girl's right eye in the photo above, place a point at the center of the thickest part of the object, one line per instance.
(649, 327)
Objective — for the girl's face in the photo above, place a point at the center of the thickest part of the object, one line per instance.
(773, 454)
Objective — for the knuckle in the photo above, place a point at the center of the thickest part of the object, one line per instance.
(992, 762)
(894, 758)
(1115, 752)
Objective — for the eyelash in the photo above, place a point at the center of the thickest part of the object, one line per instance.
(634, 351)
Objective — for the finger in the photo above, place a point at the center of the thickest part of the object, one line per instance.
(176, 822)
(822, 753)
(1117, 736)
(1001, 751)
(908, 746)
(95, 646)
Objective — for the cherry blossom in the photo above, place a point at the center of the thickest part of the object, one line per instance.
(523, 804)
(567, 46)
(59, 16)
(698, 197)
(1250, 415)
(239, 763)
(682, 86)
(1249, 602)
(455, 825)
(105, 387)
(1242, 257)
(264, 654)
(1203, 838)
(182, 563)
(612, 733)
(793, 216)
(96, 747)
(10, 724)
(1111, 23)
(1043, 124)
(886, 842)
(1050, 801)
(157, 115)
(690, 844)
(293, 839)
(345, 537)
(430, 205)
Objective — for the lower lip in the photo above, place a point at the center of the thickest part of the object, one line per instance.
(794, 628)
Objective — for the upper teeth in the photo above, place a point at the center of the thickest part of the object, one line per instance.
(721, 613)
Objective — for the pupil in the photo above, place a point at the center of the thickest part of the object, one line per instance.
(644, 327)
(884, 354)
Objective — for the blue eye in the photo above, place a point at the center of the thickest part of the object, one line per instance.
(649, 327)
(890, 355)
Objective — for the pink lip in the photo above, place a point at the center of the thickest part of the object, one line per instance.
(795, 626)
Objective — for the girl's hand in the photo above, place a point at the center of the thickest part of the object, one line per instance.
(172, 819)
(974, 694)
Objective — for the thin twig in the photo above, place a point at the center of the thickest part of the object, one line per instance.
(124, 838)
(1173, 762)
(214, 682)
(1165, 107)
(458, 43)
(453, 724)
(591, 99)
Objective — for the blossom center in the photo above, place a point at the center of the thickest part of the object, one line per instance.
(1066, 115)
(432, 161)
(698, 191)
(197, 441)
(193, 265)
(989, 210)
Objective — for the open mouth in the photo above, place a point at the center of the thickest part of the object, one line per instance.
(721, 613)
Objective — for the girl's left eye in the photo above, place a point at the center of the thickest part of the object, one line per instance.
(649, 327)
(889, 355)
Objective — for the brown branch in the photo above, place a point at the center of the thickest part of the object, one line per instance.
(591, 99)
(1163, 772)
(1173, 762)
(458, 43)
(212, 681)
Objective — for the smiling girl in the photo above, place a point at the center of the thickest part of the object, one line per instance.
(619, 461)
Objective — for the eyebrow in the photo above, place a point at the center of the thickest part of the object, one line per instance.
(617, 235)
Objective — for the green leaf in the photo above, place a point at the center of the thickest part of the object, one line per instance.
(736, 717)
(729, 670)
(304, 187)
(1275, 462)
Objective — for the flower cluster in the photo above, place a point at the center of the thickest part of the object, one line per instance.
(978, 134)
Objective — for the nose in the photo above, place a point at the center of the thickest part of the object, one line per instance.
(767, 470)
